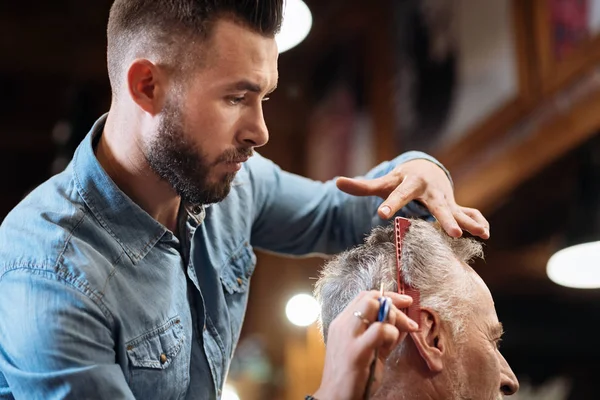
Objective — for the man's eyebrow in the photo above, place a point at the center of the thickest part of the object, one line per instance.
(250, 87)
(272, 89)
(497, 330)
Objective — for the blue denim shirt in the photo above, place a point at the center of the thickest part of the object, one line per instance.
(100, 301)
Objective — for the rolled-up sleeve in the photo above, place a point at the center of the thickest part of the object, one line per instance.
(56, 340)
(298, 216)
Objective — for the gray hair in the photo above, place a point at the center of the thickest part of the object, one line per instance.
(429, 266)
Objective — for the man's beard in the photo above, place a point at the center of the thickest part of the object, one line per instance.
(177, 160)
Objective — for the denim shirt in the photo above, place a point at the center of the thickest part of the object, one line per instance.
(100, 301)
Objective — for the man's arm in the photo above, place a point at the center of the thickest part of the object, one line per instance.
(296, 215)
(55, 342)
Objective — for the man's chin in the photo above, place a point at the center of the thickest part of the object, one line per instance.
(218, 191)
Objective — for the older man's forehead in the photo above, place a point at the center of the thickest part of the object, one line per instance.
(484, 310)
(479, 285)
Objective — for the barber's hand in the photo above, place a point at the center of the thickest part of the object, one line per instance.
(351, 344)
(424, 181)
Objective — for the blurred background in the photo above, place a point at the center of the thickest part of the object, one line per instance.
(505, 93)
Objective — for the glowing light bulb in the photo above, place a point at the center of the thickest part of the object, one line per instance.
(302, 310)
(297, 21)
(576, 267)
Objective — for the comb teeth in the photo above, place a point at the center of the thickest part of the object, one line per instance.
(400, 227)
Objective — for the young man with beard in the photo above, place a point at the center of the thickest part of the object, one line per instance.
(116, 278)
(453, 355)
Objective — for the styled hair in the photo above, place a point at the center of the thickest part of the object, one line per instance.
(429, 265)
(166, 29)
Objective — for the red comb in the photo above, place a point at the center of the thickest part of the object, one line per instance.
(400, 227)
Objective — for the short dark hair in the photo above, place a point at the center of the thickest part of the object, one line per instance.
(168, 28)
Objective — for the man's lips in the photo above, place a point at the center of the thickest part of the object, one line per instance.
(239, 160)
(236, 165)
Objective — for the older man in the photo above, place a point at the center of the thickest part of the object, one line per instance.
(454, 354)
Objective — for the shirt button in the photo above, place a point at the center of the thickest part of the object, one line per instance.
(196, 210)
(240, 281)
(163, 358)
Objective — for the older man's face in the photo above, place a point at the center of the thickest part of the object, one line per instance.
(480, 370)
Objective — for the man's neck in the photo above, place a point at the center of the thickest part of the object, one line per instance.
(408, 380)
(120, 153)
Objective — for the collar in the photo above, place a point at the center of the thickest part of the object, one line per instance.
(132, 227)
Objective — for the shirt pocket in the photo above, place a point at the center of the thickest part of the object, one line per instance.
(159, 369)
(235, 277)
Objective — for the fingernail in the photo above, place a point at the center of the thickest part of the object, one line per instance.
(386, 210)
(413, 324)
(405, 297)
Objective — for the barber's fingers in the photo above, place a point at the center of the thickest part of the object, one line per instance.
(410, 188)
(481, 225)
(367, 310)
(366, 307)
(401, 321)
(441, 209)
(399, 300)
(384, 337)
(367, 302)
(397, 317)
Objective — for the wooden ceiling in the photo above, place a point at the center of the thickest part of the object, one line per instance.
(54, 55)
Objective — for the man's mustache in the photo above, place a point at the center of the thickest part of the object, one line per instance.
(235, 155)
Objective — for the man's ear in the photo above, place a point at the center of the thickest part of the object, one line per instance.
(146, 85)
(431, 340)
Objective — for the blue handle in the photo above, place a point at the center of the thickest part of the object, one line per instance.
(384, 309)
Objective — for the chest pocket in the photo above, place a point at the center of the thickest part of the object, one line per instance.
(235, 277)
(159, 367)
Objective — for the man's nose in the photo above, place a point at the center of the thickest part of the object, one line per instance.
(255, 133)
(509, 384)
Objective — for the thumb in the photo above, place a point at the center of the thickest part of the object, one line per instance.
(363, 187)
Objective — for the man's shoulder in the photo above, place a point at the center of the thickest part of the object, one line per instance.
(52, 228)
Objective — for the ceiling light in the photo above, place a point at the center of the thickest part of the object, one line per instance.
(576, 267)
(296, 24)
(302, 310)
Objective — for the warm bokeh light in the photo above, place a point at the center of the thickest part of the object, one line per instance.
(297, 21)
(229, 393)
(576, 267)
(302, 310)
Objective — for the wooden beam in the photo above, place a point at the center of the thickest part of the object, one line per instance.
(483, 185)
(490, 129)
(495, 125)
(379, 66)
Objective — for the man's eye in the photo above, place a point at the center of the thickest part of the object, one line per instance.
(235, 100)
(497, 342)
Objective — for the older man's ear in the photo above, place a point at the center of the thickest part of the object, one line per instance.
(431, 340)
